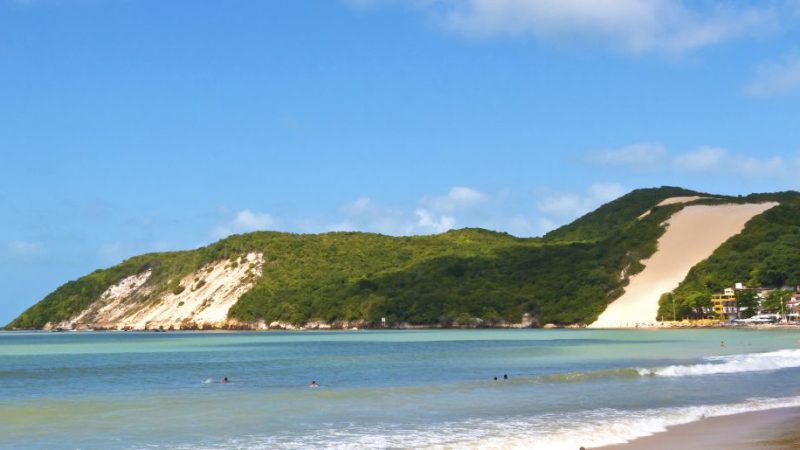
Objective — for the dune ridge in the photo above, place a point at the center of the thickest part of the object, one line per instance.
(692, 235)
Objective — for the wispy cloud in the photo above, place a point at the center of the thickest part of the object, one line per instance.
(458, 207)
(458, 198)
(27, 249)
(634, 26)
(560, 207)
(646, 155)
(703, 159)
(244, 221)
(776, 78)
(715, 159)
(434, 213)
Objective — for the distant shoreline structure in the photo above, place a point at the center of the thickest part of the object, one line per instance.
(685, 324)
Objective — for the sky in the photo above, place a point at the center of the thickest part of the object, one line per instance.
(132, 126)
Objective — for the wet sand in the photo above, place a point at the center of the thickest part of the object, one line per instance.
(775, 429)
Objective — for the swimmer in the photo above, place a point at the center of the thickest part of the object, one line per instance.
(313, 384)
(505, 376)
(495, 378)
(224, 380)
(722, 343)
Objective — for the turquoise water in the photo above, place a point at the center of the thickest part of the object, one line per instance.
(382, 389)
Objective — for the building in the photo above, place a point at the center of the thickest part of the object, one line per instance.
(725, 304)
(793, 306)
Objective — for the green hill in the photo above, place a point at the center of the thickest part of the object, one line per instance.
(466, 277)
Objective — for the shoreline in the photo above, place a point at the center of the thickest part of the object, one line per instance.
(772, 429)
(679, 326)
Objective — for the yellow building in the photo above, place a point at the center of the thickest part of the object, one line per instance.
(725, 304)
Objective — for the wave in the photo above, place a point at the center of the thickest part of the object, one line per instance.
(556, 431)
(751, 362)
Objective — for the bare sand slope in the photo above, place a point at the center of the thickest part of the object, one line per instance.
(202, 299)
(672, 201)
(692, 235)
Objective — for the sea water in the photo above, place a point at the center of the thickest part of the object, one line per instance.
(382, 389)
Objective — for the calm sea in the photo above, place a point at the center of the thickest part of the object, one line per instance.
(382, 389)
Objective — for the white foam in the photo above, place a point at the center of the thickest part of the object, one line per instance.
(752, 362)
(556, 431)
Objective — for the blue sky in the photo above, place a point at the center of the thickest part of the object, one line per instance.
(129, 126)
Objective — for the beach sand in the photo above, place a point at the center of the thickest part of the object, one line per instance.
(774, 429)
(692, 235)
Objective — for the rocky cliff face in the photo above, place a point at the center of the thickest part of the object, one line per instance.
(199, 300)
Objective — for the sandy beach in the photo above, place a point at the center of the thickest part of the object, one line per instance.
(774, 429)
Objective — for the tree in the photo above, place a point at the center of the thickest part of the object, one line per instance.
(700, 303)
(747, 302)
(776, 301)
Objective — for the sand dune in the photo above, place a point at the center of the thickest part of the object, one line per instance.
(673, 201)
(692, 236)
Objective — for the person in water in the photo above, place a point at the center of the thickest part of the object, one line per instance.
(505, 376)
(495, 378)
(313, 384)
(224, 380)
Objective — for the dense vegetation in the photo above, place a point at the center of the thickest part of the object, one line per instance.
(466, 277)
(613, 217)
(765, 254)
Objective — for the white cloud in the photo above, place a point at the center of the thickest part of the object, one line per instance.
(431, 222)
(640, 156)
(635, 26)
(27, 249)
(715, 159)
(458, 199)
(760, 167)
(776, 78)
(546, 225)
(249, 221)
(364, 214)
(244, 221)
(572, 205)
(460, 206)
(605, 192)
(702, 159)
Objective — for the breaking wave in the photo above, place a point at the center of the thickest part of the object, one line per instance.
(752, 362)
(554, 431)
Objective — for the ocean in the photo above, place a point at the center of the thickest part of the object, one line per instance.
(382, 389)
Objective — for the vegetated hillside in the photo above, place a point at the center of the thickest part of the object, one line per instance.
(766, 253)
(569, 276)
(612, 217)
